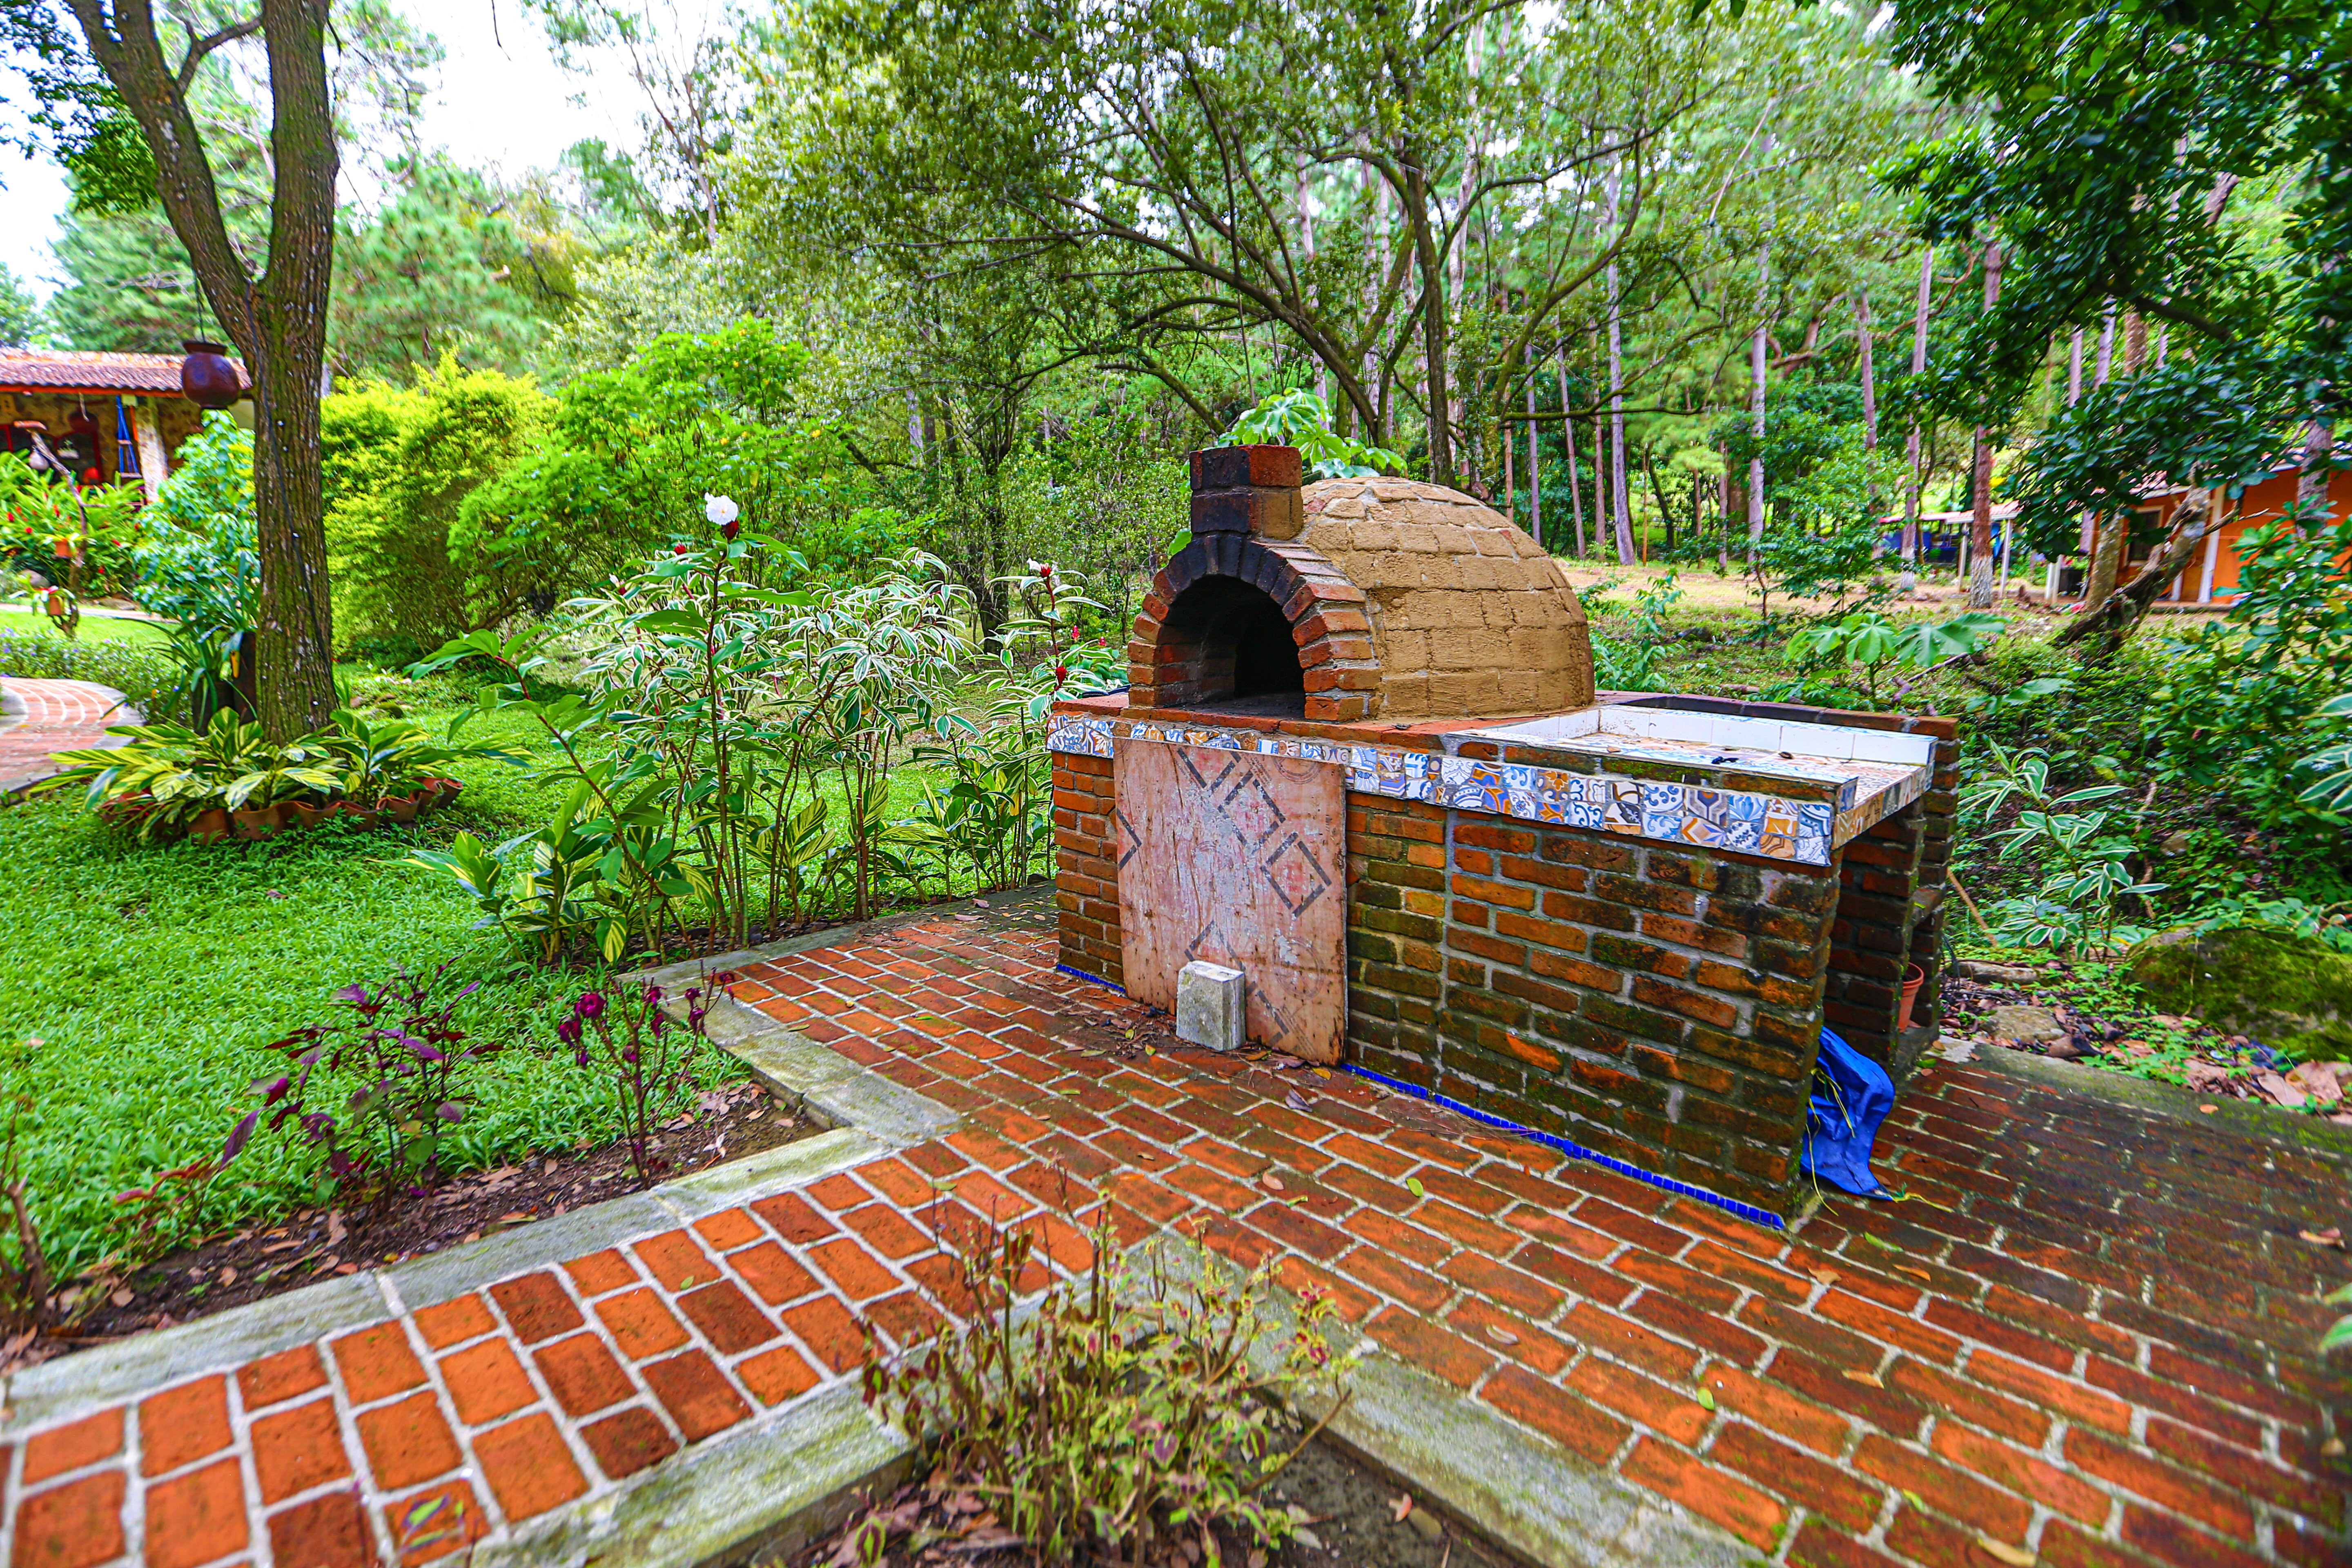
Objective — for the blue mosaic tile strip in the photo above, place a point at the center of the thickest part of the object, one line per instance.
(1071, 969)
(1749, 1212)
(1806, 832)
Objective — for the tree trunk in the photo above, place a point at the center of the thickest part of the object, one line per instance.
(2112, 619)
(2318, 446)
(1535, 470)
(1619, 510)
(1756, 428)
(1567, 442)
(1436, 383)
(1599, 481)
(278, 322)
(1911, 442)
(1981, 560)
(2110, 535)
(1756, 366)
(1869, 379)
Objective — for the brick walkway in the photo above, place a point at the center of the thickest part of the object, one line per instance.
(2087, 1332)
(39, 717)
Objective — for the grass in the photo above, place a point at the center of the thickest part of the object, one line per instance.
(143, 984)
(94, 627)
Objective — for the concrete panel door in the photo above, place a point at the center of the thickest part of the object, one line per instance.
(1240, 859)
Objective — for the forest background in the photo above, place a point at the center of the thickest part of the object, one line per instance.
(1555, 256)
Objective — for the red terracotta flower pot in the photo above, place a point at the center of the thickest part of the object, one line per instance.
(256, 821)
(210, 826)
(402, 808)
(127, 810)
(1914, 977)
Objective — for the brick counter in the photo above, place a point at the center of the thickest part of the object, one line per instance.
(1656, 1004)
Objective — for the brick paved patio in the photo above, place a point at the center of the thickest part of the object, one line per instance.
(2087, 1332)
(39, 717)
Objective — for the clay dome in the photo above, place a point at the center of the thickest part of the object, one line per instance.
(1470, 616)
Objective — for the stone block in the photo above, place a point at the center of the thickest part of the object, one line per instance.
(1209, 1005)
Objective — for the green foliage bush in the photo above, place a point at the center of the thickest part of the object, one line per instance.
(197, 563)
(2242, 703)
(413, 564)
(626, 456)
(38, 510)
(1122, 1416)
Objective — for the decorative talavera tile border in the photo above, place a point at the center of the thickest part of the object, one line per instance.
(1804, 832)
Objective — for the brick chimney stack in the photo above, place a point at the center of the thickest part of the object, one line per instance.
(1248, 491)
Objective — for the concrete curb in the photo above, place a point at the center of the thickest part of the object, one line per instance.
(776, 1485)
(1507, 1482)
(2169, 1102)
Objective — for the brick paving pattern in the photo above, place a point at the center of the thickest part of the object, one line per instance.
(58, 716)
(2083, 1333)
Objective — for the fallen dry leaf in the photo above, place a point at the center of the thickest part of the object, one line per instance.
(2316, 1080)
(2331, 1237)
(1871, 1378)
(2332, 1449)
(122, 1298)
(2000, 1550)
(1273, 1182)
(2279, 1090)
(1296, 1102)
(1400, 1507)
(2209, 1109)
(1501, 1336)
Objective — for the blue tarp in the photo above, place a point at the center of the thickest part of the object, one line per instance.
(1851, 1095)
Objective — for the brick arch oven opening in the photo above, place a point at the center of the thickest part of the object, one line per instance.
(1234, 652)
(1248, 618)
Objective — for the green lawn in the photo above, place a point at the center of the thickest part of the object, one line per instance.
(94, 627)
(143, 983)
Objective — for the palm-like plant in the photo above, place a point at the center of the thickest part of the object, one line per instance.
(2085, 863)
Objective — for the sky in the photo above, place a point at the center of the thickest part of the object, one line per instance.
(502, 105)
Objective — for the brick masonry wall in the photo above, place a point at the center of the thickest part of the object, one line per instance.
(1086, 866)
(1662, 1006)
(1891, 907)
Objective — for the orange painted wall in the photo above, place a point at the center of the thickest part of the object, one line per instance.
(2260, 504)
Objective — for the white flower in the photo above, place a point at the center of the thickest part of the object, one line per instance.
(720, 509)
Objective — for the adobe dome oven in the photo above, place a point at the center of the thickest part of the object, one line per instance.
(1362, 761)
(1354, 599)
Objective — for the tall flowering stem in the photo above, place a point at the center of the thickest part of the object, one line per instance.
(649, 1057)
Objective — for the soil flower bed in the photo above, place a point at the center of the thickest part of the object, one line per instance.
(260, 1259)
(2082, 1013)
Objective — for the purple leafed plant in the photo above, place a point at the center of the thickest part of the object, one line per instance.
(631, 1039)
(376, 1091)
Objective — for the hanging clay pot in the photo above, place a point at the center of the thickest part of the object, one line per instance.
(208, 376)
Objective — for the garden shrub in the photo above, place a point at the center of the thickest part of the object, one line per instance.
(1121, 1417)
(2241, 703)
(198, 563)
(412, 565)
